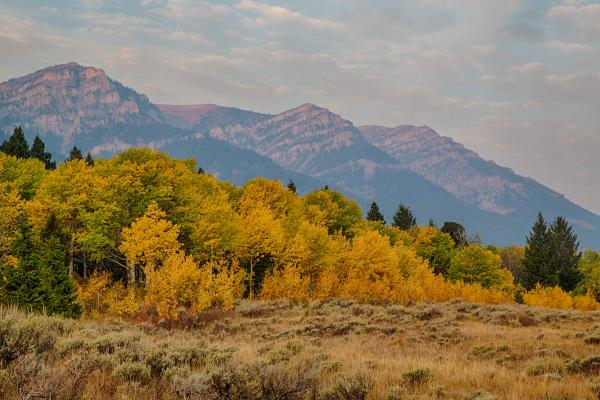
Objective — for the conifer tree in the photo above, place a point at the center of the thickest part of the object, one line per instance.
(75, 154)
(16, 145)
(374, 214)
(40, 280)
(565, 254)
(89, 160)
(536, 267)
(404, 218)
(457, 232)
(38, 150)
(291, 186)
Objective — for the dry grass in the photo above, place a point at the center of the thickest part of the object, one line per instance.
(332, 351)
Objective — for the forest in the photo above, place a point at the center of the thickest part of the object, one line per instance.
(146, 237)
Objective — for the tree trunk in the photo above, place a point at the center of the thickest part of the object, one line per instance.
(130, 275)
(71, 256)
(251, 278)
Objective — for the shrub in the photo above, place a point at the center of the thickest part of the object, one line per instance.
(33, 334)
(417, 377)
(356, 387)
(131, 372)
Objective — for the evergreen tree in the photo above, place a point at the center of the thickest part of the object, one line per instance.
(38, 150)
(16, 145)
(40, 280)
(89, 160)
(536, 268)
(291, 186)
(404, 218)
(564, 254)
(75, 154)
(431, 223)
(457, 232)
(374, 214)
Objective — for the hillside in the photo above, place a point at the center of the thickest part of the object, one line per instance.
(75, 105)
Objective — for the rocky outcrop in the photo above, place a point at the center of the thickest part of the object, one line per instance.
(68, 100)
(450, 165)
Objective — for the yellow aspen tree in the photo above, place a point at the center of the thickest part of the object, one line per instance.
(372, 268)
(71, 193)
(262, 237)
(286, 283)
(11, 207)
(149, 240)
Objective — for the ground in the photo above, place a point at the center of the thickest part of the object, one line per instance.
(332, 350)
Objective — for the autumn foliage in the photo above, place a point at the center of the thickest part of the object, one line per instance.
(146, 232)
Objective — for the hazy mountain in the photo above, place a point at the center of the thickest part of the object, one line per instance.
(438, 178)
(466, 175)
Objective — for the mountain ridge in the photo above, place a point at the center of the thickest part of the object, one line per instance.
(438, 177)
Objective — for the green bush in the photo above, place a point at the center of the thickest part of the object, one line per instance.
(34, 334)
(131, 372)
(417, 376)
(356, 387)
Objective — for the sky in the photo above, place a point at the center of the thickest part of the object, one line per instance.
(516, 81)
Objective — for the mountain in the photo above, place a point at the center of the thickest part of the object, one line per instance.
(72, 104)
(469, 177)
(438, 178)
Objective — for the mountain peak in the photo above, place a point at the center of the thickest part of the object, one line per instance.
(67, 99)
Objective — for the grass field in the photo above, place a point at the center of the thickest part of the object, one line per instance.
(334, 350)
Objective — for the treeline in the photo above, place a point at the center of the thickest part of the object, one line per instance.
(142, 234)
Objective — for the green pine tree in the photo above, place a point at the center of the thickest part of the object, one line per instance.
(565, 254)
(404, 218)
(457, 232)
(38, 150)
(536, 268)
(291, 186)
(16, 145)
(41, 280)
(89, 160)
(75, 154)
(374, 214)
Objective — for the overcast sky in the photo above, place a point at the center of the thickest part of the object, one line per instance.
(516, 81)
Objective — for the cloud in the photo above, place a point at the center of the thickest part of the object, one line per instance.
(564, 46)
(583, 16)
(276, 15)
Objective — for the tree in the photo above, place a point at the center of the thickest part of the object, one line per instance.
(457, 233)
(75, 154)
(404, 218)
(331, 209)
(38, 150)
(474, 264)
(374, 214)
(16, 145)
(536, 267)
(89, 160)
(201, 171)
(262, 240)
(40, 279)
(589, 267)
(512, 260)
(565, 255)
(149, 241)
(435, 246)
(291, 186)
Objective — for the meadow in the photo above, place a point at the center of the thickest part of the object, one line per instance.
(331, 350)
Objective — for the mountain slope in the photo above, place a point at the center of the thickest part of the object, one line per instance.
(465, 174)
(438, 178)
(72, 104)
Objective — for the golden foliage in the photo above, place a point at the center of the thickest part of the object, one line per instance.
(150, 239)
(181, 286)
(287, 283)
(555, 297)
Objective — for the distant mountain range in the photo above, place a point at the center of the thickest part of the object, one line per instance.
(437, 177)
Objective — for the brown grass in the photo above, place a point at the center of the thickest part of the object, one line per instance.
(332, 350)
